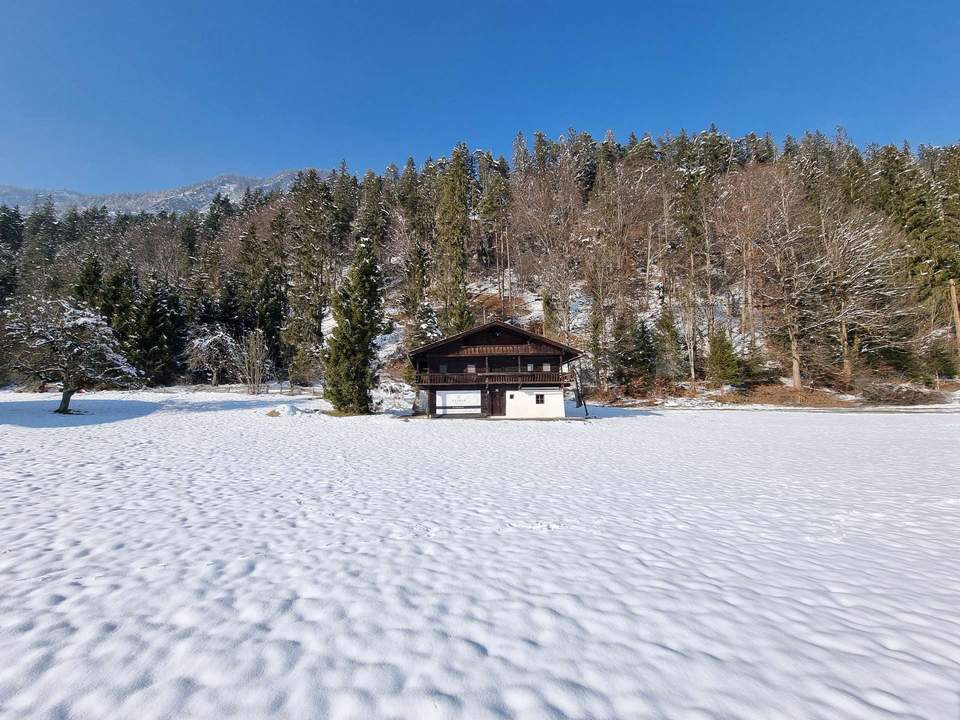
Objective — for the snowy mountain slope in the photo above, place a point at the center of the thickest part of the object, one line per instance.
(189, 197)
(183, 555)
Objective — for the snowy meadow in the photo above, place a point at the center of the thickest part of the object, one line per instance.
(185, 555)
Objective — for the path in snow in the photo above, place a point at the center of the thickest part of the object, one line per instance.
(186, 556)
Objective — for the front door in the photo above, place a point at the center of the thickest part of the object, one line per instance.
(498, 402)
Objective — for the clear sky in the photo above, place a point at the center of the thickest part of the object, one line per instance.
(103, 96)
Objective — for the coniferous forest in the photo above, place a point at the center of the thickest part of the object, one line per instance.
(687, 257)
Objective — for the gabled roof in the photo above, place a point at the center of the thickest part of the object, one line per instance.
(500, 324)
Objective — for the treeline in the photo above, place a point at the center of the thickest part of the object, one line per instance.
(690, 255)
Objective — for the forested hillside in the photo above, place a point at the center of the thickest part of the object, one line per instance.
(678, 258)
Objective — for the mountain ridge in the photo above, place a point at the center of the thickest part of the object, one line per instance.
(196, 196)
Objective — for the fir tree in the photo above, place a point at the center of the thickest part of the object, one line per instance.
(89, 284)
(424, 327)
(160, 333)
(453, 226)
(670, 347)
(270, 308)
(633, 358)
(350, 354)
(11, 240)
(118, 303)
(372, 215)
(723, 366)
(41, 241)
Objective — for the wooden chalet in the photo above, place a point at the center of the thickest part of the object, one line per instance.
(493, 370)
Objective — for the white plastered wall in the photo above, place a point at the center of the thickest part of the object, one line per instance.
(523, 403)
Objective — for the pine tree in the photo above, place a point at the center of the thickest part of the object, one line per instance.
(11, 240)
(670, 347)
(633, 358)
(41, 241)
(344, 197)
(453, 227)
(372, 218)
(350, 355)
(157, 347)
(309, 292)
(424, 327)
(270, 308)
(89, 284)
(723, 366)
(118, 303)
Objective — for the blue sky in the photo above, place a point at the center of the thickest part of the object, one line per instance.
(103, 96)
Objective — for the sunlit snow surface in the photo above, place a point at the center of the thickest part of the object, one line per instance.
(186, 556)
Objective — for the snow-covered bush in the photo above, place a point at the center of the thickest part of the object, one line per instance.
(212, 350)
(64, 341)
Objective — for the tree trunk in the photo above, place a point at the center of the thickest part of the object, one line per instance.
(845, 352)
(795, 360)
(64, 408)
(956, 314)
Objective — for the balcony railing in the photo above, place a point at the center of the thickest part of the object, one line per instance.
(523, 349)
(492, 378)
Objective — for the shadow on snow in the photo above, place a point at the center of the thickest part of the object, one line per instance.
(91, 411)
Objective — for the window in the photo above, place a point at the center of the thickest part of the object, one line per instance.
(539, 398)
(511, 396)
(471, 368)
(547, 367)
(530, 367)
(443, 368)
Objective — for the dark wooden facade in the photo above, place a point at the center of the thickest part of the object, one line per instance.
(493, 358)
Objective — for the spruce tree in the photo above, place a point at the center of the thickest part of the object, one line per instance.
(158, 345)
(11, 240)
(89, 284)
(723, 365)
(670, 347)
(118, 303)
(633, 357)
(350, 354)
(41, 241)
(453, 226)
(424, 327)
(308, 295)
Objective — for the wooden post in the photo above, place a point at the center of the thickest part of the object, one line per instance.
(956, 314)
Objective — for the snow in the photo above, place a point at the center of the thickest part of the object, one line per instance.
(185, 555)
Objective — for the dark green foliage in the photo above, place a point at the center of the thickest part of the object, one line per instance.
(234, 309)
(269, 303)
(372, 220)
(157, 347)
(671, 348)
(118, 302)
(41, 240)
(723, 365)
(453, 226)
(633, 354)
(11, 240)
(89, 284)
(350, 354)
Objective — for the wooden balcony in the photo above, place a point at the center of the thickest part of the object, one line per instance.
(498, 350)
(494, 378)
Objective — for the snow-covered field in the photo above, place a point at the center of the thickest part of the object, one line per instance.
(183, 555)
